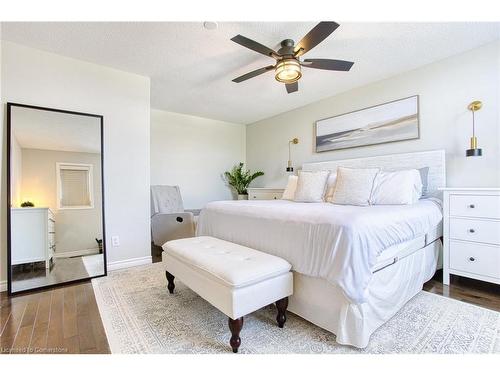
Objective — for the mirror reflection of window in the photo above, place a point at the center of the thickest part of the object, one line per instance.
(74, 186)
(56, 211)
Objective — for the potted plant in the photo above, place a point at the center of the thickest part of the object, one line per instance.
(240, 179)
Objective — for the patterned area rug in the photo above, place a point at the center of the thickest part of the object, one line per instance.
(140, 316)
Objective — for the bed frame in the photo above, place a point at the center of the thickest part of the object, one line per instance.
(324, 304)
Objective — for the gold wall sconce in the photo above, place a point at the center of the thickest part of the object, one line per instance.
(294, 141)
(474, 150)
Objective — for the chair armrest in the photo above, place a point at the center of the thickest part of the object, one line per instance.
(167, 227)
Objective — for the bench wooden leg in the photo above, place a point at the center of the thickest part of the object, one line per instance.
(282, 305)
(171, 285)
(235, 326)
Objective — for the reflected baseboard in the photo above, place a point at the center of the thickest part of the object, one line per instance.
(111, 267)
(129, 263)
(76, 253)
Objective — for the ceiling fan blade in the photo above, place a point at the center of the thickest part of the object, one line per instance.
(253, 73)
(292, 87)
(327, 64)
(254, 46)
(314, 37)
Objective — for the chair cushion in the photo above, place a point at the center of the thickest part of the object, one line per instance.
(225, 262)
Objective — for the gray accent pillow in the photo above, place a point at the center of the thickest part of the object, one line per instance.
(424, 175)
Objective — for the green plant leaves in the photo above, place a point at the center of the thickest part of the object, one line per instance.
(240, 179)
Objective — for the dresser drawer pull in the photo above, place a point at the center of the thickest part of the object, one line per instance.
(472, 230)
(472, 206)
(472, 259)
(254, 197)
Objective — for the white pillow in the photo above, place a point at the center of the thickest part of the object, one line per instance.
(311, 186)
(398, 187)
(354, 186)
(330, 186)
(291, 186)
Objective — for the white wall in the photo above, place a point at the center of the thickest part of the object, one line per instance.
(16, 171)
(193, 152)
(40, 78)
(445, 88)
(76, 230)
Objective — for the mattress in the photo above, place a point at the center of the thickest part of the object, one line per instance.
(342, 244)
(400, 251)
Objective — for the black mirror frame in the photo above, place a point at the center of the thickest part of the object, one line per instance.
(9, 200)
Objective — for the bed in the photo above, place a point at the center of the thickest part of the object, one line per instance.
(354, 267)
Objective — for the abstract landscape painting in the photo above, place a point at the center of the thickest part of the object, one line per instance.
(389, 122)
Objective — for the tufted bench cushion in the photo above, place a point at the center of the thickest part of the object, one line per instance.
(235, 279)
(226, 262)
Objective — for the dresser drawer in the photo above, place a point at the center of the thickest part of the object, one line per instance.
(475, 258)
(51, 226)
(487, 206)
(265, 193)
(487, 231)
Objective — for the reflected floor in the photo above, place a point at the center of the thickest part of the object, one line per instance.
(64, 269)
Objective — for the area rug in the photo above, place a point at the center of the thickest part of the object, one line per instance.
(139, 316)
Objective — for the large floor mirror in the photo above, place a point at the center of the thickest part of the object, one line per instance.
(55, 210)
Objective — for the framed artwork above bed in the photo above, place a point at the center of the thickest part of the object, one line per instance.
(389, 122)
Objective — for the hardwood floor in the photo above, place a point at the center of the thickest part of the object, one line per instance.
(467, 290)
(67, 320)
(59, 320)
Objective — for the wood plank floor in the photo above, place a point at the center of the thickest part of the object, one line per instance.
(67, 320)
(59, 320)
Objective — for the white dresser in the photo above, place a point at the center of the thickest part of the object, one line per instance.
(264, 193)
(471, 231)
(33, 235)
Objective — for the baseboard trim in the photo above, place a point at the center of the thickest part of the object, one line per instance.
(112, 266)
(76, 253)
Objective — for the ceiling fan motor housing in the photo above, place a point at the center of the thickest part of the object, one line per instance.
(287, 47)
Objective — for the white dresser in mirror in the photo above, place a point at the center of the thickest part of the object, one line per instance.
(33, 235)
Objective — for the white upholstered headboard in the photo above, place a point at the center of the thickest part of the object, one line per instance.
(435, 160)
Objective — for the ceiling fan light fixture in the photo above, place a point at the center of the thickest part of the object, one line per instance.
(288, 71)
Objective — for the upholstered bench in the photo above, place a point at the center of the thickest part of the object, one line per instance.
(235, 279)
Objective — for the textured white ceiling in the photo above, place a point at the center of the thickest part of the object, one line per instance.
(191, 68)
(48, 130)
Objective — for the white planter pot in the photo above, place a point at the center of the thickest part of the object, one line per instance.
(242, 197)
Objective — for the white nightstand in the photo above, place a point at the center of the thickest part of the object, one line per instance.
(471, 230)
(264, 193)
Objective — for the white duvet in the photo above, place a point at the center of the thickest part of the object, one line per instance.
(338, 243)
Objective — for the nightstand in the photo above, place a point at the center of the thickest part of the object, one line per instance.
(471, 230)
(264, 193)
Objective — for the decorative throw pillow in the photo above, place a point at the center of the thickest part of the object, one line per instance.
(291, 186)
(311, 186)
(354, 186)
(397, 187)
(330, 186)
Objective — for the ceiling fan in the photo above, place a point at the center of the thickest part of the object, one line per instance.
(288, 63)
